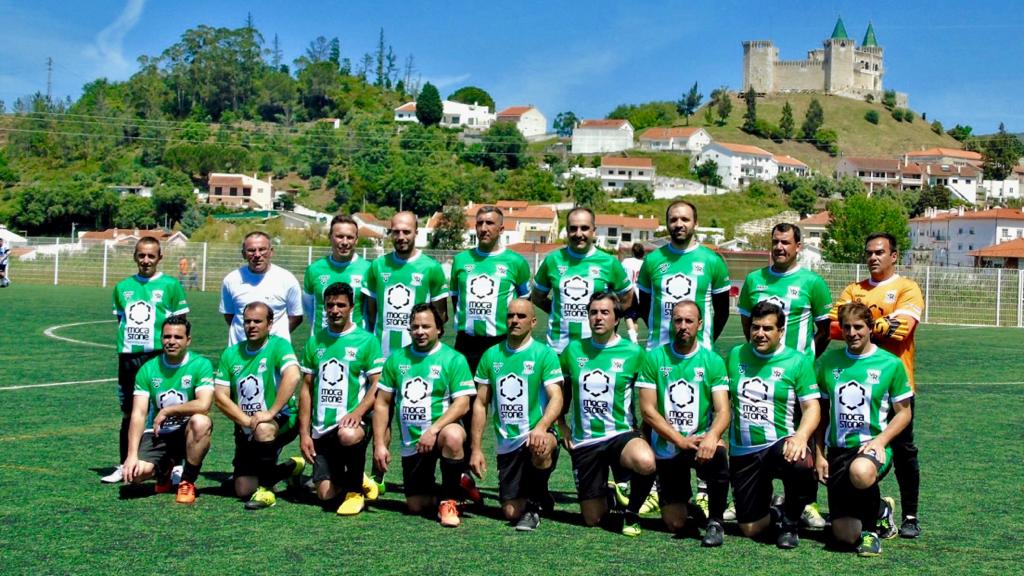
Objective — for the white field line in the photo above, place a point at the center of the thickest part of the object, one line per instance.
(51, 333)
(52, 384)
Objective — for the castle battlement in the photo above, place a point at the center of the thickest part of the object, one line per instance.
(799, 64)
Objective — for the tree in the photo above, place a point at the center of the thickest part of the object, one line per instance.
(504, 146)
(172, 203)
(586, 192)
(871, 116)
(786, 123)
(709, 115)
(828, 140)
(450, 229)
(937, 127)
(689, 103)
(889, 99)
(565, 123)
(707, 174)
(788, 181)
(472, 95)
(750, 118)
(645, 115)
(135, 212)
(854, 218)
(848, 186)
(936, 196)
(803, 199)
(639, 192)
(960, 133)
(1001, 153)
(723, 106)
(429, 110)
(813, 120)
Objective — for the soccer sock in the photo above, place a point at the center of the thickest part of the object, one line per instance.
(639, 489)
(282, 470)
(355, 462)
(266, 458)
(908, 476)
(538, 485)
(451, 473)
(190, 471)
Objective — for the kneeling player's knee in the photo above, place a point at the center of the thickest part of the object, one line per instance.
(846, 530)
(452, 437)
(752, 529)
(674, 520)
(350, 436)
(200, 424)
(512, 511)
(863, 473)
(324, 490)
(265, 432)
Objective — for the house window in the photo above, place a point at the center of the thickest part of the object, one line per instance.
(862, 173)
(246, 191)
(970, 246)
(640, 173)
(611, 184)
(972, 231)
(217, 191)
(627, 237)
(233, 191)
(621, 172)
(960, 231)
(613, 232)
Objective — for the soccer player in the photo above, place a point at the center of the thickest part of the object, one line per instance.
(766, 381)
(430, 385)
(805, 299)
(262, 281)
(599, 375)
(341, 364)
(859, 387)
(5, 253)
(343, 264)
(141, 303)
(255, 388)
(684, 399)
(398, 281)
(632, 267)
(683, 270)
(523, 377)
(568, 277)
(172, 398)
(896, 304)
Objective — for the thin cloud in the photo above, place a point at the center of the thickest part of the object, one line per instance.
(446, 81)
(107, 51)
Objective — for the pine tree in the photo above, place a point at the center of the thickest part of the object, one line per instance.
(429, 109)
(786, 123)
(750, 118)
(813, 120)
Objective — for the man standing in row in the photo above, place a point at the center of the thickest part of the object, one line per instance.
(399, 280)
(260, 280)
(568, 277)
(524, 379)
(343, 264)
(141, 303)
(896, 304)
(255, 388)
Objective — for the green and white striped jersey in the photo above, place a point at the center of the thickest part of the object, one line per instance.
(669, 276)
(601, 381)
(482, 285)
(424, 386)
(684, 384)
(860, 391)
(764, 391)
(141, 306)
(253, 377)
(397, 285)
(172, 384)
(518, 380)
(802, 294)
(326, 271)
(340, 365)
(571, 279)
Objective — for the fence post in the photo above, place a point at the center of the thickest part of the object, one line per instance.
(856, 277)
(105, 264)
(309, 255)
(999, 294)
(204, 266)
(927, 291)
(56, 261)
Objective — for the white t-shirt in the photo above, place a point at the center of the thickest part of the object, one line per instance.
(632, 266)
(277, 288)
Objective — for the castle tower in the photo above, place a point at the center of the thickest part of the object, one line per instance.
(759, 58)
(871, 60)
(840, 60)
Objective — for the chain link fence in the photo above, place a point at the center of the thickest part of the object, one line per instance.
(961, 296)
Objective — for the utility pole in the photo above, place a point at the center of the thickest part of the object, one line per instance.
(49, 80)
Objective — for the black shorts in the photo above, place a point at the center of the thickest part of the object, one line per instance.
(473, 347)
(674, 474)
(751, 476)
(844, 500)
(418, 473)
(246, 462)
(330, 463)
(163, 451)
(512, 468)
(591, 463)
(128, 364)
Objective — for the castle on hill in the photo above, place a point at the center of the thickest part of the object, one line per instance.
(839, 67)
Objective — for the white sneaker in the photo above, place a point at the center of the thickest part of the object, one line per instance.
(114, 477)
(176, 475)
(730, 513)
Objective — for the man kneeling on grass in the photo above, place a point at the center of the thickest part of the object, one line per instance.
(859, 386)
(175, 390)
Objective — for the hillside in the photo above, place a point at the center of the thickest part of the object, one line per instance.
(857, 136)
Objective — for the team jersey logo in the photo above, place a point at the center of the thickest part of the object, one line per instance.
(186, 381)
(595, 271)
(753, 401)
(170, 398)
(596, 383)
(469, 267)
(778, 373)
(496, 366)
(249, 392)
(128, 294)
(681, 393)
(398, 296)
(416, 390)
(576, 293)
(698, 268)
(890, 297)
(417, 279)
(435, 372)
(158, 295)
(140, 313)
(350, 354)
(782, 304)
(874, 376)
(236, 369)
(663, 267)
(681, 412)
(852, 395)
(398, 299)
(323, 278)
(698, 374)
(511, 387)
(618, 364)
(562, 269)
(677, 287)
(263, 366)
(793, 291)
(512, 409)
(576, 288)
(501, 270)
(528, 367)
(404, 368)
(384, 276)
(156, 382)
(481, 286)
(582, 361)
(332, 373)
(357, 280)
(742, 368)
(665, 370)
(754, 390)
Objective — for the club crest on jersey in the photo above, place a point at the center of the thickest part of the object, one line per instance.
(469, 267)
(128, 294)
(357, 280)
(501, 270)
(874, 376)
(158, 295)
(778, 373)
(698, 268)
(582, 361)
(236, 369)
(496, 366)
(595, 271)
(663, 267)
(435, 371)
(323, 279)
(836, 373)
(698, 373)
(263, 365)
(528, 367)
(156, 382)
(665, 370)
(186, 381)
(793, 291)
(404, 368)
(562, 269)
(350, 354)
(618, 364)
(417, 279)
(890, 297)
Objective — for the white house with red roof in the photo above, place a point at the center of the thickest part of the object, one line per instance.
(602, 136)
(947, 237)
(455, 115)
(530, 122)
(616, 172)
(740, 164)
(241, 191)
(812, 228)
(945, 156)
(690, 140)
(789, 164)
(523, 222)
(618, 231)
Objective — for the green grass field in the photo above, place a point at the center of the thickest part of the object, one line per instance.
(56, 518)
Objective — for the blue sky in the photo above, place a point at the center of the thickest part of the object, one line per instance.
(959, 61)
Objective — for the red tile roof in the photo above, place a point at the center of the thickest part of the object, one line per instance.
(879, 164)
(368, 218)
(514, 111)
(950, 152)
(627, 162)
(602, 124)
(534, 247)
(407, 107)
(744, 149)
(627, 222)
(951, 170)
(789, 161)
(820, 219)
(1011, 249)
(667, 133)
(993, 214)
(112, 233)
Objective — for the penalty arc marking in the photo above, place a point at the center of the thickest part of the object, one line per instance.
(51, 332)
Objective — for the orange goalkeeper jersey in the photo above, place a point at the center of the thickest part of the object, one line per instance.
(896, 296)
